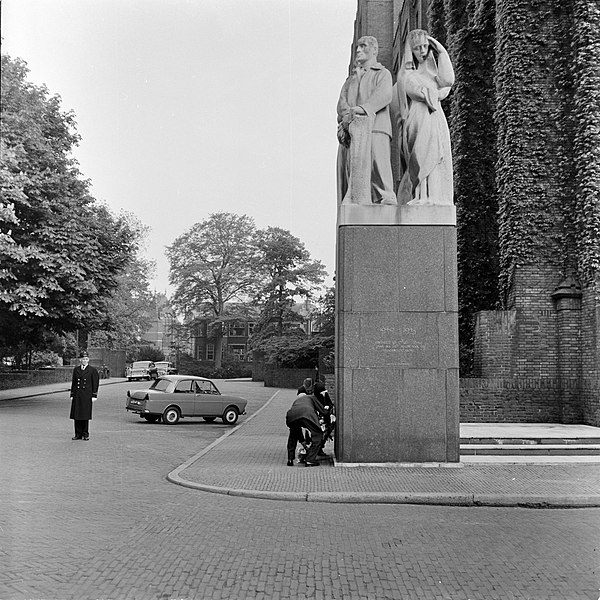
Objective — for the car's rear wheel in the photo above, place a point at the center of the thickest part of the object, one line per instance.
(230, 416)
(171, 416)
(152, 418)
(209, 419)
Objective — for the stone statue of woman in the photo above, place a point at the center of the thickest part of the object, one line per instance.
(424, 79)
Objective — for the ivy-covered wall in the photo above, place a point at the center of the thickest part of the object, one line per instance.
(469, 36)
(585, 45)
(531, 145)
(585, 42)
(524, 117)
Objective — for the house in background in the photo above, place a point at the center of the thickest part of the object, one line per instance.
(236, 335)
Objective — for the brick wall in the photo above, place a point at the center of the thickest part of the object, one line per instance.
(590, 354)
(534, 348)
(510, 400)
(9, 381)
(113, 359)
(540, 346)
(286, 378)
(495, 331)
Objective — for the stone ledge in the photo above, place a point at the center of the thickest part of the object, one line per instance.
(377, 214)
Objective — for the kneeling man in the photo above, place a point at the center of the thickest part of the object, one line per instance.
(304, 413)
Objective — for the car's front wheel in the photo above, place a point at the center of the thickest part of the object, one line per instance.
(230, 416)
(209, 419)
(171, 416)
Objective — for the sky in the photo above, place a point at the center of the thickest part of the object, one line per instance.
(191, 107)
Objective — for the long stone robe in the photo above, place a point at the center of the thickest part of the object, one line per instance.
(425, 170)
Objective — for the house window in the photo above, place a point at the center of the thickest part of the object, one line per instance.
(210, 352)
(237, 329)
(251, 328)
(238, 351)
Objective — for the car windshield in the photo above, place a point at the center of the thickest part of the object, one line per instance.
(141, 364)
(161, 385)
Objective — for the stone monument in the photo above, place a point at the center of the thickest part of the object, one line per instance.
(397, 384)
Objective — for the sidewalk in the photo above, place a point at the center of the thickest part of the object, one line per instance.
(48, 388)
(250, 461)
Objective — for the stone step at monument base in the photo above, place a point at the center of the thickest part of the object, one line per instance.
(530, 441)
(505, 448)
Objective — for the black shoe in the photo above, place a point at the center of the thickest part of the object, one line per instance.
(75, 437)
(86, 438)
(290, 463)
(312, 464)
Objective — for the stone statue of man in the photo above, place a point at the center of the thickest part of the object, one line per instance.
(364, 166)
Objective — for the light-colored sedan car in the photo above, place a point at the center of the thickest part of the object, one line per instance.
(173, 397)
(140, 369)
(164, 367)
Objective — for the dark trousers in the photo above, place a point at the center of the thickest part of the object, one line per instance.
(81, 428)
(296, 435)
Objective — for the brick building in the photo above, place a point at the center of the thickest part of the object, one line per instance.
(236, 335)
(525, 122)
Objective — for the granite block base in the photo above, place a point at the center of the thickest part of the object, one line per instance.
(397, 378)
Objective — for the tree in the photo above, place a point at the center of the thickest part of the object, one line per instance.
(294, 351)
(150, 353)
(60, 252)
(324, 315)
(132, 304)
(213, 263)
(288, 272)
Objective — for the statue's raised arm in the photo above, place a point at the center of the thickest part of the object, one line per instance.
(445, 76)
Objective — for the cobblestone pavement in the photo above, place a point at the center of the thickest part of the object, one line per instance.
(98, 520)
(249, 462)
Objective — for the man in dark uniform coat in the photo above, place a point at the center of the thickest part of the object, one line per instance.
(304, 413)
(84, 391)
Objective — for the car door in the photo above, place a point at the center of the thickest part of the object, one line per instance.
(184, 397)
(208, 400)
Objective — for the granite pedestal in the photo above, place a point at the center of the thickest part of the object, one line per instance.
(397, 383)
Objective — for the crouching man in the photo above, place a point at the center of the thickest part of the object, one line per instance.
(304, 412)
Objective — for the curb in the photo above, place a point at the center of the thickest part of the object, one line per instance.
(436, 499)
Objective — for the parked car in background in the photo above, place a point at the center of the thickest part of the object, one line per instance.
(164, 367)
(141, 369)
(174, 397)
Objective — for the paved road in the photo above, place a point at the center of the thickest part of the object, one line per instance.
(98, 520)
